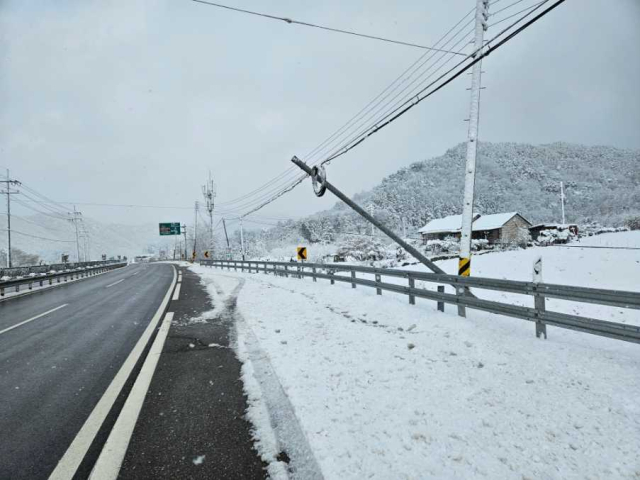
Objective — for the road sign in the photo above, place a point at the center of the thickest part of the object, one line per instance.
(302, 253)
(206, 254)
(170, 228)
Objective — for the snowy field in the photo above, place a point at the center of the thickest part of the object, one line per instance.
(380, 389)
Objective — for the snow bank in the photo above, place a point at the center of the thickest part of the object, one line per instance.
(382, 389)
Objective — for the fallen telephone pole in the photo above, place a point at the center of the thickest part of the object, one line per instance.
(413, 251)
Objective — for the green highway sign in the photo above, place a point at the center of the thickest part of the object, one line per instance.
(170, 228)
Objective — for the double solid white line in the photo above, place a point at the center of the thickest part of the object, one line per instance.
(32, 318)
(176, 293)
(68, 465)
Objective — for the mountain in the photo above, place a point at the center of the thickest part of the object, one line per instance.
(602, 184)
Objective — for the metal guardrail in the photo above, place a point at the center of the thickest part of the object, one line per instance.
(58, 276)
(57, 267)
(539, 291)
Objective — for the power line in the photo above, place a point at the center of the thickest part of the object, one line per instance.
(280, 181)
(399, 111)
(330, 29)
(39, 238)
(517, 13)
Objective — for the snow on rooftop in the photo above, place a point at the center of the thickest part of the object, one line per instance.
(453, 223)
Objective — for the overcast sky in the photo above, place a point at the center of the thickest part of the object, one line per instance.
(133, 102)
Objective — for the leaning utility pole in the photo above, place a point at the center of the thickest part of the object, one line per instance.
(209, 193)
(328, 186)
(8, 182)
(371, 210)
(464, 263)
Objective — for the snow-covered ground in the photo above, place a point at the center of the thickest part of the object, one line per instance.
(377, 388)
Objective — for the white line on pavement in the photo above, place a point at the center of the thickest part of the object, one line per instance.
(115, 283)
(110, 460)
(68, 465)
(136, 273)
(33, 318)
(176, 294)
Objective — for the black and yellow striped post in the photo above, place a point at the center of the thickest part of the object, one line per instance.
(464, 267)
(464, 270)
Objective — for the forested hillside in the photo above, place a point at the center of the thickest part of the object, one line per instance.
(602, 184)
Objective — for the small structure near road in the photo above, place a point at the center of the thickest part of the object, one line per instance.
(553, 232)
(500, 228)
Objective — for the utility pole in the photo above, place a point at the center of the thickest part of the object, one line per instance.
(195, 233)
(404, 228)
(184, 232)
(464, 262)
(74, 218)
(562, 197)
(8, 182)
(242, 238)
(209, 193)
(224, 225)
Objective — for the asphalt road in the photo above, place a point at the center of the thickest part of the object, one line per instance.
(55, 368)
(192, 424)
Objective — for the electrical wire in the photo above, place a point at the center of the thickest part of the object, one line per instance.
(281, 181)
(37, 237)
(398, 112)
(517, 13)
(479, 55)
(306, 24)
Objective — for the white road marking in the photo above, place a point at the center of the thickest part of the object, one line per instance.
(33, 318)
(68, 465)
(136, 273)
(110, 460)
(115, 283)
(176, 294)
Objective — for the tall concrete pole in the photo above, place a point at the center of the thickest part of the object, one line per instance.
(75, 223)
(464, 263)
(8, 182)
(562, 200)
(242, 238)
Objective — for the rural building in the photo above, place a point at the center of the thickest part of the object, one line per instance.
(498, 228)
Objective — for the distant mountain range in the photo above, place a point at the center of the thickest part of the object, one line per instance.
(50, 237)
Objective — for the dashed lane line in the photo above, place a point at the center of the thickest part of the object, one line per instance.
(115, 283)
(32, 318)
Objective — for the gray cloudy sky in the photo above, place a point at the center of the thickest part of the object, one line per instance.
(134, 101)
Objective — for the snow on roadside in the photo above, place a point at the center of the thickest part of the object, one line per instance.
(479, 397)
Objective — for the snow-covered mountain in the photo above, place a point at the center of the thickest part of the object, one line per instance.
(602, 184)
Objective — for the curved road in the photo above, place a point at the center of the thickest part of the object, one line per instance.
(54, 368)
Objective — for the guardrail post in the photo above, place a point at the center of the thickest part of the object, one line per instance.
(378, 289)
(1, 291)
(299, 272)
(441, 304)
(412, 284)
(313, 269)
(286, 271)
(332, 273)
(353, 278)
(538, 299)
(461, 292)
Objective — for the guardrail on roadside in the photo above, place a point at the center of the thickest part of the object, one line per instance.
(58, 276)
(56, 267)
(539, 291)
